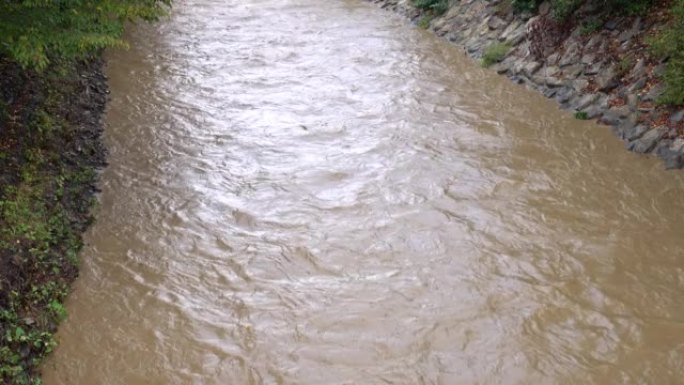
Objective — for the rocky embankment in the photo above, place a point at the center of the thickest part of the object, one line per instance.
(599, 68)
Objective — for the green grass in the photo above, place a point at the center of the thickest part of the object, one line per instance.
(581, 115)
(494, 53)
(670, 44)
(42, 213)
(438, 7)
(424, 22)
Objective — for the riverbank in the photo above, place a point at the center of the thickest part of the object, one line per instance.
(50, 150)
(596, 66)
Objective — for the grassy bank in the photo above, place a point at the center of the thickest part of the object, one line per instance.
(50, 150)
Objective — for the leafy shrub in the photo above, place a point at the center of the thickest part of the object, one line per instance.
(439, 7)
(562, 9)
(33, 32)
(494, 54)
(670, 43)
(526, 5)
(424, 22)
(581, 115)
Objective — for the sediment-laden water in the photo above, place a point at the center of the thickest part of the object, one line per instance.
(315, 192)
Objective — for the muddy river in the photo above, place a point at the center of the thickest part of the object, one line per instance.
(317, 192)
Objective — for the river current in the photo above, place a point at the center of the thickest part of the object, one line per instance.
(317, 192)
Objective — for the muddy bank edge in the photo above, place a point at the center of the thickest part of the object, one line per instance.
(50, 152)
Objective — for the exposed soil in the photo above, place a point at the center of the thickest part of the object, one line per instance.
(50, 149)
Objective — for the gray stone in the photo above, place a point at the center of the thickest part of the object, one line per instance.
(516, 37)
(673, 154)
(634, 132)
(639, 69)
(496, 22)
(553, 59)
(677, 117)
(626, 35)
(584, 101)
(659, 70)
(653, 94)
(514, 31)
(571, 55)
(637, 85)
(593, 112)
(550, 92)
(594, 42)
(632, 101)
(573, 71)
(588, 58)
(607, 80)
(626, 46)
(502, 68)
(549, 81)
(549, 70)
(517, 79)
(530, 68)
(611, 24)
(615, 115)
(473, 45)
(602, 100)
(648, 141)
(580, 84)
(593, 69)
(544, 8)
(564, 94)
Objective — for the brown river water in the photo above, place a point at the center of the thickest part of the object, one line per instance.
(317, 192)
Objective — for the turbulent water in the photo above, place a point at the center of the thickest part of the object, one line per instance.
(316, 192)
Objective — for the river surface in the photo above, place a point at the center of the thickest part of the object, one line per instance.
(316, 192)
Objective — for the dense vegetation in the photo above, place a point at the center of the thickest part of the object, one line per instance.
(51, 96)
(33, 32)
(670, 44)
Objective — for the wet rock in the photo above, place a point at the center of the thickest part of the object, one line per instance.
(517, 79)
(564, 94)
(593, 111)
(615, 115)
(677, 117)
(553, 81)
(584, 101)
(648, 141)
(673, 154)
(633, 132)
(473, 45)
(550, 92)
(502, 68)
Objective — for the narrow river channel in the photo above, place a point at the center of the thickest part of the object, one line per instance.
(316, 192)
